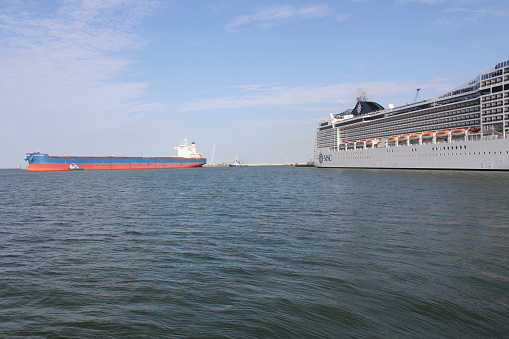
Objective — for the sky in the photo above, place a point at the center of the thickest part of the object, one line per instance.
(241, 78)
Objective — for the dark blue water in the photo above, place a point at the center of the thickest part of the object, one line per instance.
(254, 252)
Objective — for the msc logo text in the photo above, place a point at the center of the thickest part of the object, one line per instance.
(322, 158)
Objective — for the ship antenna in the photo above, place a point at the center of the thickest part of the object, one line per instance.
(417, 94)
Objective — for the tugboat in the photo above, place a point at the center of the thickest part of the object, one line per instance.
(74, 167)
(307, 164)
(237, 163)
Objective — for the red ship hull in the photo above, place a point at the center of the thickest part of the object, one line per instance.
(109, 166)
(188, 157)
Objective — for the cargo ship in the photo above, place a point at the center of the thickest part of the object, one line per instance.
(466, 128)
(187, 156)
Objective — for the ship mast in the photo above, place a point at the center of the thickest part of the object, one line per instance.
(417, 94)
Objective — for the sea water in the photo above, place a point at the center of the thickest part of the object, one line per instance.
(254, 252)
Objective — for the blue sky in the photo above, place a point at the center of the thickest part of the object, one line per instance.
(136, 77)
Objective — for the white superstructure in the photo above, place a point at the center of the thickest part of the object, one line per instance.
(188, 151)
(466, 128)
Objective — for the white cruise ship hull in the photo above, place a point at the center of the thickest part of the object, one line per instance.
(464, 155)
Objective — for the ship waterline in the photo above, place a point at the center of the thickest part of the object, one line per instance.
(466, 128)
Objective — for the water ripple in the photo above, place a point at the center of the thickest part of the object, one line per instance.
(255, 252)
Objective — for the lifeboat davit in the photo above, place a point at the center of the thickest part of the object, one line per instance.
(459, 131)
(443, 133)
(428, 134)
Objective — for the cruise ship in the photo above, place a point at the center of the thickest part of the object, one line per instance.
(466, 128)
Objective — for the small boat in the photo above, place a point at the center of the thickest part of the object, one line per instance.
(237, 163)
(474, 129)
(74, 167)
(307, 164)
(395, 137)
(403, 137)
(415, 136)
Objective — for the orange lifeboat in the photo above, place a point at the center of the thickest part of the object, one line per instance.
(415, 135)
(459, 131)
(393, 138)
(443, 133)
(474, 129)
(402, 137)
(428, 134)
(372, 142)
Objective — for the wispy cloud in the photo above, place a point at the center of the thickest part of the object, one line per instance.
(69, 62)
(429, 2)
(457, 17)
(460, 13)
(275, 15)
(273, 95)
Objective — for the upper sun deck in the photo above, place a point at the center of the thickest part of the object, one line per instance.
(468, 90)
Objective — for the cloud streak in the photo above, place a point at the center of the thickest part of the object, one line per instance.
(459, 16)
(69, 61)
(270, 95)
(272, 16)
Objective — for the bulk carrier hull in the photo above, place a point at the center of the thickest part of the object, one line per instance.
(44, 162)
(188, 157)
(466, 128)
